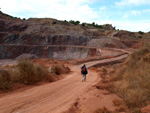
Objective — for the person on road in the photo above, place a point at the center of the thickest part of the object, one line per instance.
(84, 72)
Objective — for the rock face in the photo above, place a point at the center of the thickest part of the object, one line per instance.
(58, 52)
(106, 43)
(47, 40)
(31, 33)
(18, 37)
(32, 36)
(125, 35)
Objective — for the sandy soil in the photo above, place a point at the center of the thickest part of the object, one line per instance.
(92, 100)
(54, 97)
(98, 96)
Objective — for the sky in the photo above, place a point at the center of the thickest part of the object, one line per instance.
(131, 15)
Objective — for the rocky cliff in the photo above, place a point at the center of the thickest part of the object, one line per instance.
(58, 52)
(19, 36)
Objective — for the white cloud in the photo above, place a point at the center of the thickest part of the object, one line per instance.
(59, 9)
(135, 13)
(146, 11)
(73, 9)
(132, 2)
(134, 26)
(132, 13)
(102, 8)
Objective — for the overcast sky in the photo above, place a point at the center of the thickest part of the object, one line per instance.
(131, 15)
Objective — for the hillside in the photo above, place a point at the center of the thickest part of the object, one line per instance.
(37, 51)
(48, 31)
(131, 79)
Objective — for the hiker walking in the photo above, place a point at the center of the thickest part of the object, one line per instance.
(84, 72)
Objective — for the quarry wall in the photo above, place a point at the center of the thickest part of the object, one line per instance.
(55, 51)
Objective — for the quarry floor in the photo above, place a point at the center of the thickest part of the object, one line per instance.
(60, 96)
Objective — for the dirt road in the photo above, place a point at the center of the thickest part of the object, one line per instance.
(53, 97)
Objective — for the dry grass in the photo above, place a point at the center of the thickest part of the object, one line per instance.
(103, 73)
(59, 69)
(103, 110)
(117, 102)
(132, 79)
(30, 73)
(5, 79)
(121, 108)
(136, 110)
(24, 73)
(120, 105)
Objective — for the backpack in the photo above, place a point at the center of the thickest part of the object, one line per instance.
(84, 70)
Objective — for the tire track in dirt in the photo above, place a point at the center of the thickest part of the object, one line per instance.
(54, 97)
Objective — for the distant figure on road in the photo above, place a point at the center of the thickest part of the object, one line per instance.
(84, 72)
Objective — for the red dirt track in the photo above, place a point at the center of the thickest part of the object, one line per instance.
(54, 97)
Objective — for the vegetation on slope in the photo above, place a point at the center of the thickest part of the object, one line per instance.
(132, 79)
(6, 16)
(29, 73)
(5, 79)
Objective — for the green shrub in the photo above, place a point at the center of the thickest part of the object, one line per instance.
(140, 32)
(30, 73)
(56, 70)
(51, 77)
(77, 22)
(65, 21)
(26, 70)
(96, 25)
(15, 75)
(54, 22)
(140, 37)
(74, 22)
(27, 73)
(40, 72)
(93, 23)
(83, 24)
(23, 19)
(60, 69)
(5, 80)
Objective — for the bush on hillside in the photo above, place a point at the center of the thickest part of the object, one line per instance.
(83, 24)
(132, 79)
(96, 25)
(5, 79)
(140, 32)
(59, 69)
(74, 22)
(93, 23)
(30, 73)
(54, 22)
(65, 21)
(140, 37)
(24, 19)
